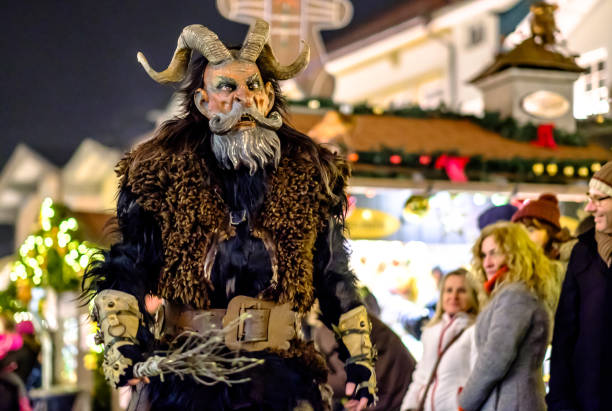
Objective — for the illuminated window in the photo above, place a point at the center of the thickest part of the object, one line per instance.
(591, 94)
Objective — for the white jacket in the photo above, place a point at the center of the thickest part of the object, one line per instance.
(453, 370)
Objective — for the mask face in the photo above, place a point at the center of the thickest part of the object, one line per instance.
(235, 82)
(238, 105)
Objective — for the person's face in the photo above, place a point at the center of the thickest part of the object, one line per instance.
(600, 205)
(537, 235)
(236, 81)
(492, 256)
(455, 295)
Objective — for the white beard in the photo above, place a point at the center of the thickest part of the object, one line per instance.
(253, 148)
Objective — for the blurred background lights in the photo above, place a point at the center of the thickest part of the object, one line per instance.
(499, 199)
(479, 199)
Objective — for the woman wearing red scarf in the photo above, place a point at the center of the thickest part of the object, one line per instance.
(513, 330)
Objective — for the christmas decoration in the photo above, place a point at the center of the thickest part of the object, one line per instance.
(506, 127)
(54, 256)
(416, 205)
(454, 167)
(545, 136)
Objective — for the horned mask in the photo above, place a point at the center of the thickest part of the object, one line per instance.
(255, 49)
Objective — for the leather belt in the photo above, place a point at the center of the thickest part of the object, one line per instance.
(268, 324)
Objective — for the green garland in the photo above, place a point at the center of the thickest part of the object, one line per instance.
(506, 127)
(396, 163)
(393, 163)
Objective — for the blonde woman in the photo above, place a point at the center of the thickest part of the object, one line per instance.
(513, 330)
(445, 364)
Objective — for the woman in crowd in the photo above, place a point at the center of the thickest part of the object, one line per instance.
(513, 330)
(445, 364)
(542, 219)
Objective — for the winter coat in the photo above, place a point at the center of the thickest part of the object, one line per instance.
(454, 367)
(581, 363)
(511, 335)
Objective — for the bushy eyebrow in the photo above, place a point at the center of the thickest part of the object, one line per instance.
(224, 79)
(254, 78)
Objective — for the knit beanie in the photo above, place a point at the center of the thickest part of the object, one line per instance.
(545, 208)
(602, 180)
(495, 214)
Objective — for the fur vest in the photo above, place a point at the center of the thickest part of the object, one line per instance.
(180, 191)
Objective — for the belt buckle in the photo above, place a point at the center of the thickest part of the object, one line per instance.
(268, 325)
(254, 328)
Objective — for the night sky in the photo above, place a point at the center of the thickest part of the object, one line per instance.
(69, 68)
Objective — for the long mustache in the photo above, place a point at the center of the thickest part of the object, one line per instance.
(222, 123)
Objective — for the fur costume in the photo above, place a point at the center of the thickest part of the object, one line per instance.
(198, 233)
(177, 190)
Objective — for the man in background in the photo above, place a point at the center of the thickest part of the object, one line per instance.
(581, 363)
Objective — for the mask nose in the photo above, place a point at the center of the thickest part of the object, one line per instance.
(244, 96)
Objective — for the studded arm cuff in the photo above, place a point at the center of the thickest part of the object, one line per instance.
(118, 319)
(354, 330)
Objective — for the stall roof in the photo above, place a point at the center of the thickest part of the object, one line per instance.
(530, 54)
(463, 137)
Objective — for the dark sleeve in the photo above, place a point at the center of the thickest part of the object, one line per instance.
(561, 395)
(131, 265)
(334, 282)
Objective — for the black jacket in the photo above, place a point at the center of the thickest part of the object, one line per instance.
(581, 363)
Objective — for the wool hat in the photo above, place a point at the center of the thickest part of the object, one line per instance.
(545, 208)
(495, 214)
(602, 180)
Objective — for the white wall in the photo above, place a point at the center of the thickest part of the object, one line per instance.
(412, 70)
(401, 69)
(594, 31)
(473, 60)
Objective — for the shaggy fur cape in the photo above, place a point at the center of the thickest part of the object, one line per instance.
(180, 192)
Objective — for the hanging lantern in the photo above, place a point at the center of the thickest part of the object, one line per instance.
(583, 171)
(552, 169)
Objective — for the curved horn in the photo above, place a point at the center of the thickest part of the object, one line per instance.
(256, 38)
(194, 37)
(267, 62)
